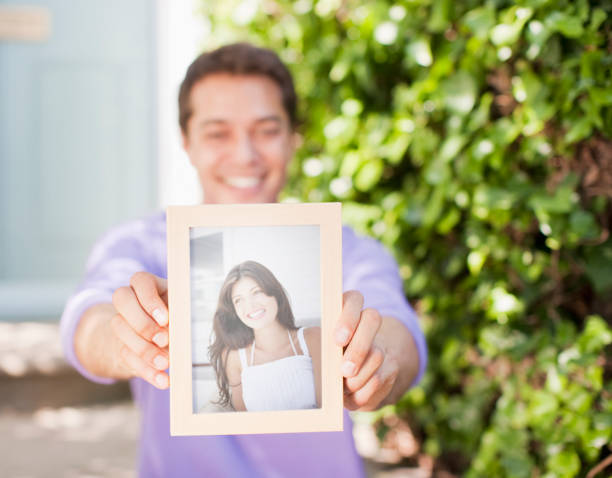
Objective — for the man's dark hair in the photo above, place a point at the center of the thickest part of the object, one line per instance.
(238, 59)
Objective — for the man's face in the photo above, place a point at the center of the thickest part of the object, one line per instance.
(239, 138)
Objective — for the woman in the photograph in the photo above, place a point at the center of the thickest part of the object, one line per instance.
(262, 361)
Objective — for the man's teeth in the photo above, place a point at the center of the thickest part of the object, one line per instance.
(243, 181)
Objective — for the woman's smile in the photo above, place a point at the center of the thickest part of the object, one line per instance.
(256, 314)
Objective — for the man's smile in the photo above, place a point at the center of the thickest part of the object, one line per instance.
(243, 182)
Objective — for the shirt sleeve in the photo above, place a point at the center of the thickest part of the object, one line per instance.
(371, 270)
(115, 257)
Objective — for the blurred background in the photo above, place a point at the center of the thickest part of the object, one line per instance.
(88, 139)
(473, 138)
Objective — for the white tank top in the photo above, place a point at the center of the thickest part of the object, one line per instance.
(283, 384)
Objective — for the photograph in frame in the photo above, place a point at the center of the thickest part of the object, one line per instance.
(254, 291)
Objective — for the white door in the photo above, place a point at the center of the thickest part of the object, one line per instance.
(77, 143)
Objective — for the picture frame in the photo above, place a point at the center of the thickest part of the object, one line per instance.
(301, 246)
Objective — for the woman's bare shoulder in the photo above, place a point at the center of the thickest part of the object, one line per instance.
(312, 335)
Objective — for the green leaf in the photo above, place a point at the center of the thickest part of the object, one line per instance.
(350, 163)
(565, 464)
(508, 32)
(561, 202)
(594, 376)
(395, 149)
(516, 462)
(602, 96)
(352, 107)
(336, 127)
(598, 264)
(356, 214)
(434, 208)
(555, 382)
(460, 92)
(504, 34)
(542, 404)
(597, 18)
(493, 198)
(437, 172)
(439, 18)
(480, 20)
(369, 174)
(579, 130)
(596, 335)
(475, 261)
(448, 221)
(567, 25)
(578, 400)
(503, 304)
(420, 52)
(582, 223)
(451, 147)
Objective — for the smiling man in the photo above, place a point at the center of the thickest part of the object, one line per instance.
(237, 112)
(238, 136)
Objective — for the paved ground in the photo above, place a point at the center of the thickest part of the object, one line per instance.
(55, 424)
(70, 442)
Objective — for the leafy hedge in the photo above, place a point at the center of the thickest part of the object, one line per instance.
(473, 139)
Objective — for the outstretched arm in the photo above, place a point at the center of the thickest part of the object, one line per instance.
(96, 345)
(233, 370)
(384, 348)
(123, 339)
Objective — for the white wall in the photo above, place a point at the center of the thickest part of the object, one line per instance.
(291, 253)
(181, 34)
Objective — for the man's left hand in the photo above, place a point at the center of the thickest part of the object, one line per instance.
(370, 371)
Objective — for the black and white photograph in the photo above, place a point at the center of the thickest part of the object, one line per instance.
(255, 318)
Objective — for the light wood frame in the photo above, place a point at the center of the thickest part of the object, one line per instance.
(183, 421)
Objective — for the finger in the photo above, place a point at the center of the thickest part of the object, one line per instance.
(148, 352)
(149, 290)
(371, 364)
(359, 347)
(128, 306)
(375, 390)
(352, 303)
(141, 369)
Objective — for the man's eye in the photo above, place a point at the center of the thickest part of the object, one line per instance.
(269, 131)
(216, 135)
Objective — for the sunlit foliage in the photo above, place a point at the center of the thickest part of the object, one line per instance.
(474, 139)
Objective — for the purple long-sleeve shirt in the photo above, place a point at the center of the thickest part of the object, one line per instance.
(141, 245)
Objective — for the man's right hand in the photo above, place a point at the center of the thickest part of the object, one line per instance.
(141, 327)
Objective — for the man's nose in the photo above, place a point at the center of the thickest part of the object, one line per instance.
(245, 151)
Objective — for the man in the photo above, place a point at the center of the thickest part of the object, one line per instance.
(237, 112)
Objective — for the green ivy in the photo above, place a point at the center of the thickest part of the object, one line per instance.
(473, 138)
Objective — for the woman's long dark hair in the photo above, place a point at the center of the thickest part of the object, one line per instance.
(230, 333)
